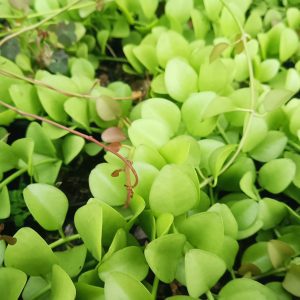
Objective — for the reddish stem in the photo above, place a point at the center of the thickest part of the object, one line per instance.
(128, 164)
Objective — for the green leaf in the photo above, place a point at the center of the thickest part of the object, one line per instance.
(257, 132)
(47, 204)
(171, 44)
(42, 143)
(8, 160)
(229, 222)
(45, 6)
(245, 212)
(112, 221)
(120, 286)
(88, 222)
(72, 260)
(119, 242)
(149, 155)
(25, 97)
(162, 110)
(271, 147)
(106, 187)
(129, 261)
(291, 280)
(296, 159)
(147, 56)
(108, 109)
(30, 254)
(257, 255)
(214, 77)
(149, 132)
(83, 68)
(246, 289)
(172, 191)
(179, 9)
(279, 253)
(276, 175)
(12, 282)
(47, 171)
(203, 270)
(164, 223)
(289, 43)
(77, 109)
(277, 288)
(267, 70)
(276, 98)
(85, 291)
(204, 231)
(149, 7)
(213, 9)
(271, 212)
(218, 158)
(182, 149)
(4, 203)
(192, 114)
(53, 102)
(71, 147)
(24, 148)
(61, 284)
(247, 185)
(180, 79)
(163, 255)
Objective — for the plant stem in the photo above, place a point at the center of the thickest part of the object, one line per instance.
(12, 177)
(61, 233)
(115, 59)
(36, 25)
(209, 295)
(155, 287)
(128, 165)
(294, 145)
(134, 96)
(64, 240)
(273, 272)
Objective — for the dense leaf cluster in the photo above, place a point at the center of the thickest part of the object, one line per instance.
(214, 142)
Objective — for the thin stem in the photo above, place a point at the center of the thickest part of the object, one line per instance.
(128, 163)
(135, 95)
(61, 233)
(64, 240)
(277, 272)
(36, 25)
(12, 177)
(114, 59)
(209, 295)
(294, 145)
(220, 128)
(155, 287)
(252, 91)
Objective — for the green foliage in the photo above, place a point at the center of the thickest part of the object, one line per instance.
(214, 144)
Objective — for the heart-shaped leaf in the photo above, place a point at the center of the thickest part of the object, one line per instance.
(108, 109)
(106, 187)
(47, 204)
(276, 175)
(204, 231)
(163, 255)
(122, 286)
(21, 256)
(180, 79)
(172, 191)
(203, 270)
(129, 261)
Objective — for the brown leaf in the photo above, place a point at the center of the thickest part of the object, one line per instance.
(107, 108)
(112, 135)
(249, 268)
(217, 51)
